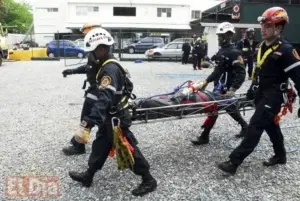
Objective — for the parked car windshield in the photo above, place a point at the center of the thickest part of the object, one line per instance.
(147, 40)
(66, 43)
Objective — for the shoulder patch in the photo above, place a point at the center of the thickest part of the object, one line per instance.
(295, 54)
(105, 81)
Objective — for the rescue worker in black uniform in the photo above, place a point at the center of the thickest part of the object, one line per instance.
(198, 54)
(230, 74)
(90, 94)
(194, 40)
(113, 86)
(247, 46)
(277, 61)
(186, 49)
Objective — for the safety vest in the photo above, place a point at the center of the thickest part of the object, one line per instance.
(260, 59)
(127, 89)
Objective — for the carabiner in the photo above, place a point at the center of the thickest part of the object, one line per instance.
(113, 120)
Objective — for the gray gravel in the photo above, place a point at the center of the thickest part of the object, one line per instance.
(40, 112)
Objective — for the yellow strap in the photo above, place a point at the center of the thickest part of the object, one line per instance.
(261, 60)
(106, 62)
(245, 49)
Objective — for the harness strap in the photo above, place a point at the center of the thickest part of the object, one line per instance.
(260, 59)
(123, 104)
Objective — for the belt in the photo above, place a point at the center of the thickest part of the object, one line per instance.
(283, 87)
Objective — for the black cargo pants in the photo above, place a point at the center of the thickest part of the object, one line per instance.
(103, 144)
(268, 105)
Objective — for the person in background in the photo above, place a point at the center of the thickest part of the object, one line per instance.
(248, 47)
(186, 48)
(198, 54)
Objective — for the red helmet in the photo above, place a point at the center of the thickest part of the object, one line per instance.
(274, 15)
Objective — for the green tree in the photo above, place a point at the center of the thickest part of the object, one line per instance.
(16, 14)
(2, 11)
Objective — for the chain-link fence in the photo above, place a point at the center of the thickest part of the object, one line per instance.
(129, 45)
(151, 46)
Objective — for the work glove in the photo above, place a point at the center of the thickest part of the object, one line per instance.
(251, 93)
(83, 134)
(186, 91)
(202, 86)
(67, 72)
(179, 96)
(230, 93)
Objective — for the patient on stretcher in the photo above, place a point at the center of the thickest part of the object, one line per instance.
(179, 98)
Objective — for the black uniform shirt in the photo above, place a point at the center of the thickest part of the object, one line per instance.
(111, 81)
(229, 61)
(282, 63)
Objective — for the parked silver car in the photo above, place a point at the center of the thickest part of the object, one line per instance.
(171, 50)
(182, 40)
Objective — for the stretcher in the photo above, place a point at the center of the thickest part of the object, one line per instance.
(173, 105)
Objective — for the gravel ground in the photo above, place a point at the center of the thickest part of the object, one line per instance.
(40, 112)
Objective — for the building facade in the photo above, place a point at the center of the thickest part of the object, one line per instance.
(65, 16)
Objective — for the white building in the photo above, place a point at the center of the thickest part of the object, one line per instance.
(62, 16)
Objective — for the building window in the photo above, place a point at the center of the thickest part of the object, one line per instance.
(164, 12)
(125, 11)
(84, 10)
(51, 10)
(196, 14)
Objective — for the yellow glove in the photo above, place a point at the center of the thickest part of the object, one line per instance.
(83, 135)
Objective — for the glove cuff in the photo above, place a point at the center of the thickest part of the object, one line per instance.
(85, 124)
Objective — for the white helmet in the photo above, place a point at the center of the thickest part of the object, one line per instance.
(95, 37)
(225, 27)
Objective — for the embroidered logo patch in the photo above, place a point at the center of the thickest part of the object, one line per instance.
(105, 81)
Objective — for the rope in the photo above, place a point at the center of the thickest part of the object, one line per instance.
(176, 89)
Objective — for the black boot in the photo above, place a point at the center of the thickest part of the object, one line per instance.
(274, 160)
(242, 132)
(202, 139)
(228, 167)
(86, 178)
(148, 185)
(75, 149)
(71, 150)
